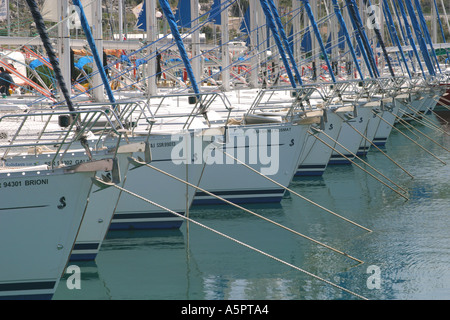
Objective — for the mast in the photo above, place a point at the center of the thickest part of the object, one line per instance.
(426, 33)
(296, 27)
(120, 20)
(64, 40)
(254, 60)
(440, 27)
(150, 11)
(356, 19)
(225, 48)
(195, 43)
(97, 33)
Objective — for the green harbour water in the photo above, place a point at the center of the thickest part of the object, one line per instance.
(405, 257)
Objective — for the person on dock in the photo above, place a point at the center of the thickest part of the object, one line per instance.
(158, 66)
(5, 82)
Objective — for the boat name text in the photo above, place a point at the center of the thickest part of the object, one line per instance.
(19, 183)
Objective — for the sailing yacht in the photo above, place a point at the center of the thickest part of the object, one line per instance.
(389, 107)
(319, 145)
(41, 211)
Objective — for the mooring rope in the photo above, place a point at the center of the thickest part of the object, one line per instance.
(411, 127)
(247, 210)
(398, 130)
(236, 241)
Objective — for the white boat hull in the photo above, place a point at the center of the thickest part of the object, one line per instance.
(158, 187)
(385, 127)
(318, 147)
(41, 212)
(102, 202)
(371, 129)
(237, 183)
(350, 138)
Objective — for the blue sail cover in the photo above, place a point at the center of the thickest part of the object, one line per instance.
(404, 36)
(440, 26)
(341, 39)
(359, 37)
(285, 39)
(318, 36)
(177, 37)
(306, 42)
(291, 38)
(357, 50)
(245, 26)
(393, 33)
(365, 39)
(214, 14)
(426, 33)
(344, 31)
(245, 23)
(328, 45)
(422, 45)
(270, 22)
(379, 37)
(183, 14)
(141, 23)
(410, 37)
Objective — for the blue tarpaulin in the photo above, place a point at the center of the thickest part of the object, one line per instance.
(35, 63)
(83, 61)
(139, 62)
(125, 58)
